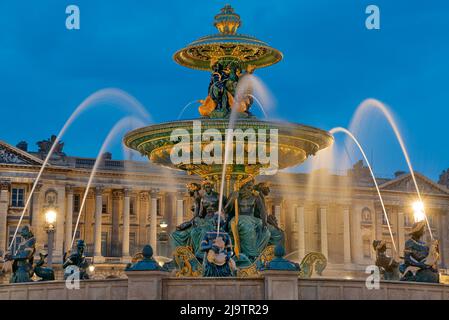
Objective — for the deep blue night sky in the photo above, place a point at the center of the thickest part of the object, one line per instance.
(331, 63)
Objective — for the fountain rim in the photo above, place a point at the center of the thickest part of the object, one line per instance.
(272, 57)
(134, 134)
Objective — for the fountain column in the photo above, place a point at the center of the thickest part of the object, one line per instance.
(323, 229)
(179, 208)
(346, 236)
(153, 221)
(68, 218)
(301, 232)
(125, 240)
(4, 204)
(98, 213)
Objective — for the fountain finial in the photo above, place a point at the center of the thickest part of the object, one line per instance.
(227, 21)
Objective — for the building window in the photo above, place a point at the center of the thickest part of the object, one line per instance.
(17, 240)
(132, 202)
(17, 197)
(366, 215)
(76, 203)
(104, 207)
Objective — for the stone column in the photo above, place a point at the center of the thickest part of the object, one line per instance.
(153, 221)
(357, 253)
(125, 240)
(37, 218)
(117, 197)
(444, 244)
(4, 204)
(60, 226)
(301, 232)
(323, 229)
(179, 208)
(97, 233)
(68, 218)
(346, 236)
(144, 213)
(401, 235)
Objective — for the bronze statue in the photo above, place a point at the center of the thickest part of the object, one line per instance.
(45, 273)
(247, 217)
(420, 261)
(190, 233)
(22, 266)
(77, 262)
(280, 263)
(217, 248)
(387, 265)
(209, 200)
(146, 262)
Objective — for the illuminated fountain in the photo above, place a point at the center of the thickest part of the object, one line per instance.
(226, 127)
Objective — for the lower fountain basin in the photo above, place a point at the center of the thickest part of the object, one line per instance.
(295, 143)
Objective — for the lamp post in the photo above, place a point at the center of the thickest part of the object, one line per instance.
(50, 219)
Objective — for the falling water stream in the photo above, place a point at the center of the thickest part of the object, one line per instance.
(104, 95)
(185, 107)
(118, 128)
(347, 132)
(260, 105)
(248, 83)
(373, 103)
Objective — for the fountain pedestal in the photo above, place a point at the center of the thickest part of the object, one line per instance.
(281, 285)
(145, 285)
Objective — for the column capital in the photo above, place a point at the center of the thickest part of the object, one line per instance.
(154, 193)
(346, 206)
(5, 184)
(99, 190)
(117, 194)
(69, 188)
(127, 192)
(143, 195)
(180, 194)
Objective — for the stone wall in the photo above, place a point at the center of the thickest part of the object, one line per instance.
(111, 289)
(274, 285)
(214, 289)
(333, 289)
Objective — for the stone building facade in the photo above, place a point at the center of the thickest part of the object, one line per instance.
(138, 203)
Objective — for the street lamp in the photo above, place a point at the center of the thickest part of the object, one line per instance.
(163, 224)
(418, 211)
(50, 219)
